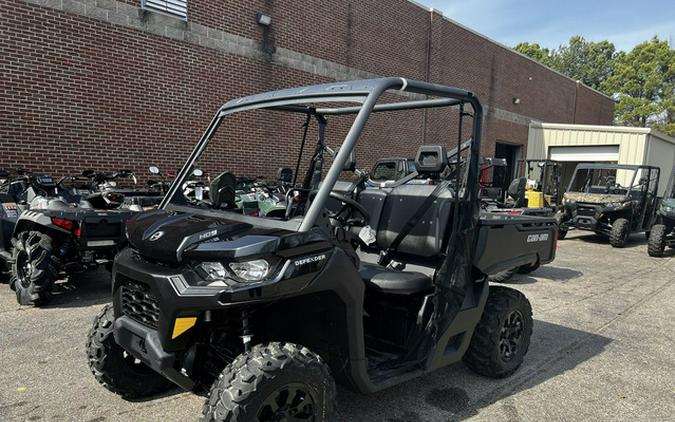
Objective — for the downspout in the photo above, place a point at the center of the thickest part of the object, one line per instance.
(576, 95)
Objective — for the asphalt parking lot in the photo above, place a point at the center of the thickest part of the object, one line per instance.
(603, 348)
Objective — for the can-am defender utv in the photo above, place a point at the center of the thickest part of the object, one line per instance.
(662, 233)
(613, 200)
(265, 313)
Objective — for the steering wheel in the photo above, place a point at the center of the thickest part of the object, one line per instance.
(348, 203)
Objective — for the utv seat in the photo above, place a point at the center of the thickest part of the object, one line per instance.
(384, 280)
(390, 213)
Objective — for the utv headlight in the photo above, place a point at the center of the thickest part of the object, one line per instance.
(618, 205)
(213, 271)
(255, 270)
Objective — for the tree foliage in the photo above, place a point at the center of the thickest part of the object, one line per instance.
(643, 80)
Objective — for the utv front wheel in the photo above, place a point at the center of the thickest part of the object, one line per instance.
(273, 382)
(502, 337)
(657, 241)
(619, 233)
(502, 276)
(34, 268)
(114, 368)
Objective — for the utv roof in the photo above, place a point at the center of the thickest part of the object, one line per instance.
(351, 91)
(614, 166)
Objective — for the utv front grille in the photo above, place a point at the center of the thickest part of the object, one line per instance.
(139, 304)
(586, 211)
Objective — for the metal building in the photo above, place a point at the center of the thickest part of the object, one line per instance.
(573, 144)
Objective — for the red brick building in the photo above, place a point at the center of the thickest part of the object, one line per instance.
(110, 84)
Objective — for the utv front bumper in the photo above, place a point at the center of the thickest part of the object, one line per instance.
(143, 343)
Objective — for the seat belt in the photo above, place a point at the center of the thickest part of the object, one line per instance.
(385, 256)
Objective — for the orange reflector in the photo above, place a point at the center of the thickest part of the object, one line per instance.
(181, 325)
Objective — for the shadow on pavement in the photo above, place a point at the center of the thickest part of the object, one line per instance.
(455, 393)
(635, 240)
(548, 272)
(86, 289)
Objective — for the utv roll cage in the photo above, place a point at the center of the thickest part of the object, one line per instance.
(367, 93)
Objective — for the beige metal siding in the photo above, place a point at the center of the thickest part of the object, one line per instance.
(661, 153)
(544, 136)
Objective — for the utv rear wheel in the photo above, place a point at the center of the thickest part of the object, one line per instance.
(502, 337)
(34, 268)
(526, 269)
(619, 233)
(273, 382)
(502, 276)
(657, 241)
(114, 368)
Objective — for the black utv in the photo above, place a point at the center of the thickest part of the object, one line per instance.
(662, 233)
(612, 200)
(265, 313)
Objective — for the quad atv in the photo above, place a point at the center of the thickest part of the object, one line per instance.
(265, 313)
(12, 189)
(59, 232)
(662, 233)
(612, 200)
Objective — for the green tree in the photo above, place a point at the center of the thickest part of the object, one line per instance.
(586, 61)
(534, 51)
(644, 82)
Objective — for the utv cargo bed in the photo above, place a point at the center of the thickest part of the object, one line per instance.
(509, 241)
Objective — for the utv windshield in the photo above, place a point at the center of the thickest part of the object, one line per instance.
(273, 159)
(605, 181)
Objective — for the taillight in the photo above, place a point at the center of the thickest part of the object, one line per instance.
(77, 232)
(63, 223)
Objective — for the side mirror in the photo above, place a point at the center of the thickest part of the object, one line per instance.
(153, 170)
(125, 173)
(197, 172)
(350, 163)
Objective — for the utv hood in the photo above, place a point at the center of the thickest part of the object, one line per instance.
(172, 237)
(593, 198)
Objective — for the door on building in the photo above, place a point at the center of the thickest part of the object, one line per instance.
(571, 156)
(513, 154)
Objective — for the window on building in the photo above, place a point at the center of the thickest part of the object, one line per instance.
(176, 8)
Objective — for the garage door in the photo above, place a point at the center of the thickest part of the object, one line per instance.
(585, 154)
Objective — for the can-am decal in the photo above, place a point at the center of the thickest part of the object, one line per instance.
(543, 237)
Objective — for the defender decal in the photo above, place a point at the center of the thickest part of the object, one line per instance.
(310, 259)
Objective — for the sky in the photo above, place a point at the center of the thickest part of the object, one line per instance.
(551, 23)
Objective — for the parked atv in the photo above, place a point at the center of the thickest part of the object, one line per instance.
(662, 233)
(612, 200)
(60, 232)
(12, 203)
(266, 313)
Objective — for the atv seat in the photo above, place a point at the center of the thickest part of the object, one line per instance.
(385, 280)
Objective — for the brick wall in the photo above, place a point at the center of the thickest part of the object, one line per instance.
(96, 84)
